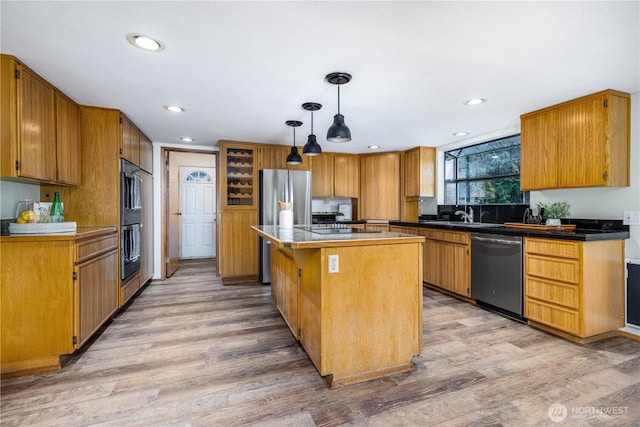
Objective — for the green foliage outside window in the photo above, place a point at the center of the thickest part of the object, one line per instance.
(487, 173)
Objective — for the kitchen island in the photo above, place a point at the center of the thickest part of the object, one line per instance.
(353, 300)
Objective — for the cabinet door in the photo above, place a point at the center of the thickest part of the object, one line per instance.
(238, 244)
(456, 268)
(419, 172)
(431, 262)
(380, 186)
(36, 126)
(322, 175)
(98, 288)
(130, 141)
(581, 144)
(346, 172)
(273, 157)
(284, 275)
(146, 153)
(68, 140)
(538, 156)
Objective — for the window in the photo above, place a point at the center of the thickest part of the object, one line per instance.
(487, 173)
(198, 176)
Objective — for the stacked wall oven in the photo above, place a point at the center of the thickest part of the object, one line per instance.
(130, 207)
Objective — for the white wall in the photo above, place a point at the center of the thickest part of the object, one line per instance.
(588, 203)
(11, 192)
(158, 169)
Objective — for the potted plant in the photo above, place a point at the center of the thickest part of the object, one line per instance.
(554, 211)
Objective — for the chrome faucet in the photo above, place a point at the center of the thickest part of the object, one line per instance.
(466, 217)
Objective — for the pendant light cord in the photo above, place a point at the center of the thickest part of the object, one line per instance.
(338, 99)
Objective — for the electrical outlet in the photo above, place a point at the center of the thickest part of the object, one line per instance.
(333, 264)
(631, 218)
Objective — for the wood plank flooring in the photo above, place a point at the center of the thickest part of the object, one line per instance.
(191, 352)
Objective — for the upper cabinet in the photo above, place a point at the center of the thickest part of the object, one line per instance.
(130, 145)
(146, 154)
(239, 175)
(275, 157)
(336, 175)
(380, 186)
(68, 136)
(580, 143)
(40, 128)
(420, 172)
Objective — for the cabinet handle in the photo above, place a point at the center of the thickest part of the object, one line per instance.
(605, 176)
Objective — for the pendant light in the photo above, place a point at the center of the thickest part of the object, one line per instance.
(338, 132)
(294, 157)
(312, 148)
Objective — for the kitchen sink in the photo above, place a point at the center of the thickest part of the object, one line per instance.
(463, 224)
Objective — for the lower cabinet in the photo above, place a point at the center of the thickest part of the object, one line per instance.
(56, 292)
(377, 226)
(285, 283)
(402, 229)
(574, 289)
(97, 288)
(238, 249)
(447, 260)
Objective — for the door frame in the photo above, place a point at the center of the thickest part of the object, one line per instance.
(164, 185)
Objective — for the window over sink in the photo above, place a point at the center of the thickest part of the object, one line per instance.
(486, 173)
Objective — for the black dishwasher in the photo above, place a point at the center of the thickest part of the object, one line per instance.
(496, 273)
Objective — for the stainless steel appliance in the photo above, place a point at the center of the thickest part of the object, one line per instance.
(496, 273)
(277, 185)
(130, 208)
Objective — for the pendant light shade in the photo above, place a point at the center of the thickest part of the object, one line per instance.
(312, 148)
(294, 157)
(338, 132)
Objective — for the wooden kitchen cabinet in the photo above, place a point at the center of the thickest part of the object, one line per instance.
(40, 128)
(584, 142)
(447, 260)
(574, 289)
(28, 123)
(238, 175)
(130, 145)
(285, 286)
(336, 175)
(380, 186)
(275, 157)
(420, 172)
(98, 284)
(68, 138)
(56, 292)
(146, 154)
(402, 229)
(238, 248)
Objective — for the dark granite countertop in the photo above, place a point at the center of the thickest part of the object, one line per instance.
(586, 230)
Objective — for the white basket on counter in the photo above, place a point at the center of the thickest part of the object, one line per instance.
(43, 228)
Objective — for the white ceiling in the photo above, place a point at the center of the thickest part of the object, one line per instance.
(241, 69)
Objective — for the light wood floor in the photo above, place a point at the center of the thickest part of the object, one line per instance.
(191, 352)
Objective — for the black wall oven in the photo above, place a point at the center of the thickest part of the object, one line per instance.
(130, 207)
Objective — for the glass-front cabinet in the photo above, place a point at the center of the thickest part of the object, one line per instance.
(239, 175)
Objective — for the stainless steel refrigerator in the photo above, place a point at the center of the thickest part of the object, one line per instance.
(285, 186)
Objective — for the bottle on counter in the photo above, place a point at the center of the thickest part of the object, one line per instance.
(56, 214)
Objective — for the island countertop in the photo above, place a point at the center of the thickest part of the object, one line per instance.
(297, 238)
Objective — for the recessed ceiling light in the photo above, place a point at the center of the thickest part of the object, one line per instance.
(145, 42)
(173, 108)
(461, 134)
(374, 147)
(475, 101)
(187, 139)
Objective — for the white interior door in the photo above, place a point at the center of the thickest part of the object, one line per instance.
(198, 212)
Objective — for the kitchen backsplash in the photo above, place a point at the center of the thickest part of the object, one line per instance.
(11, 192)
(485, 213)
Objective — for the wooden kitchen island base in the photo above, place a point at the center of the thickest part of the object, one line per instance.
(363, 321)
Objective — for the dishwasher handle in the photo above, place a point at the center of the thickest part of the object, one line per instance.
(496, 240)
